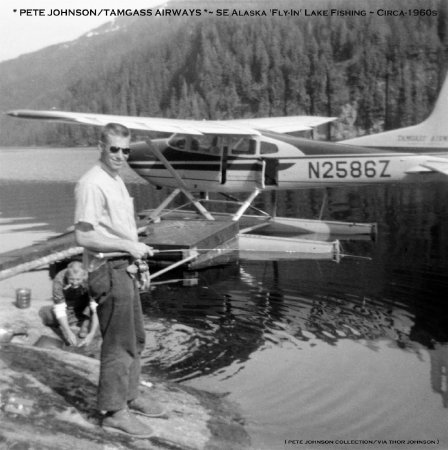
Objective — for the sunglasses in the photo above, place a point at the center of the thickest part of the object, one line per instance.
(114, 149)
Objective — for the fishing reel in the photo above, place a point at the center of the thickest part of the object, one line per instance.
(139, 270)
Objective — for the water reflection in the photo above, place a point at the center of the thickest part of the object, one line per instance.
(238, 310)
(204, 328)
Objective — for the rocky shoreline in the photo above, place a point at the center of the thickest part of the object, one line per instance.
(48, 396)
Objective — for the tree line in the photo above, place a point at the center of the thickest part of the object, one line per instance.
(371, 72)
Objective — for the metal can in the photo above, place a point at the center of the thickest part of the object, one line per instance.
(23, 298)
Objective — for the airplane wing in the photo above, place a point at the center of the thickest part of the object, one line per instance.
(240, 127)
(286, 124)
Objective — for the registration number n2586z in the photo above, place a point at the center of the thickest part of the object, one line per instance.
(349, 169)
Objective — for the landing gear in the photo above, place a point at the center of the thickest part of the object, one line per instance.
(182, 187)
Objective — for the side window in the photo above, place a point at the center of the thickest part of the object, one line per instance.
(244, 146)
(268, 148)
(194, 145)
(208, 144)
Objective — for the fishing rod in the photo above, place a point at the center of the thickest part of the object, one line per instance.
(191, 254)
(156, 251)
(193, 251)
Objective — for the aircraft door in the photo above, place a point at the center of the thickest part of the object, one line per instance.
(260, 174)
(224, 155)
(271, 172)
(267, 172)
(241, 167)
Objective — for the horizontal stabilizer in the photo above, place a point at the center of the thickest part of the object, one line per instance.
(437, 165)
(419, 169)
(431, 164)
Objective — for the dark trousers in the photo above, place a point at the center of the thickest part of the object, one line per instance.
(121, 323)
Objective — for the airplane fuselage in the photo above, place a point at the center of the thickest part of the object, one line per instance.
(274, 162)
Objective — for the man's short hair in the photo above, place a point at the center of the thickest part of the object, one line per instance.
(76, 268)
(114, 129)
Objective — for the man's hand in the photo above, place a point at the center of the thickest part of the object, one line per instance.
(139, 250)
(70, 337)
(87, 340)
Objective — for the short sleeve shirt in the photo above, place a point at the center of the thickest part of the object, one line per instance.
(103, 201)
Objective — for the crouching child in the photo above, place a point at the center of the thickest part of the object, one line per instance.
(72, 306)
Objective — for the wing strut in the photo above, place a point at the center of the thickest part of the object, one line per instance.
(182, 186)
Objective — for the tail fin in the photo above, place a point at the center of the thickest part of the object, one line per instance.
(431, 135)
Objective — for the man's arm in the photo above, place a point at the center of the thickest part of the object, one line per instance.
(86, 236)
(60, 311)
(60, 308)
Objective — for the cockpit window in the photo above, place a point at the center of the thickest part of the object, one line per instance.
(208, 144)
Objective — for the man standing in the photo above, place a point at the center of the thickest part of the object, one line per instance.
(105, 222)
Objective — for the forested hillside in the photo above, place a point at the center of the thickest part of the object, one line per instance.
(372, 72)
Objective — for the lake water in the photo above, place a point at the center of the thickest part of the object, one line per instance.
(342, 355)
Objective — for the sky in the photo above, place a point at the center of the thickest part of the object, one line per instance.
(22, 33)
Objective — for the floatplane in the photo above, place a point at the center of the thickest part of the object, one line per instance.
(250, 156)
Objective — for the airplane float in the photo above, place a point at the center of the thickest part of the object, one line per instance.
(255, 155)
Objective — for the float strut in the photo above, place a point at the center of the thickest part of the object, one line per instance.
(245, 205)
(183, 187)
(324, 204)
(155, 214)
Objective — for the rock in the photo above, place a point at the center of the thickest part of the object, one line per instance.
(48, 401)
(9, 331)
(5, 335)
(49, 342)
